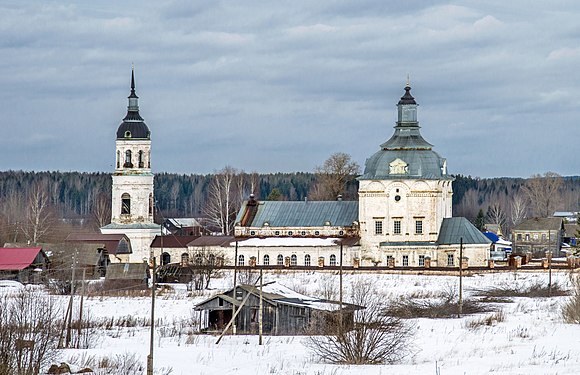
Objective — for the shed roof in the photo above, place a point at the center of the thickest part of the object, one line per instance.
(453, 229)
(113, 243)
(276, 293)
(301, 213)
(212, 241)
(172, 241)
(127, 271)
(15, 258)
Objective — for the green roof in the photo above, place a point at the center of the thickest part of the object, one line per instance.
(302, 213)
(453, 229)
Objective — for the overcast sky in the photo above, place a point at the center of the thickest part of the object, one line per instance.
(278, 86)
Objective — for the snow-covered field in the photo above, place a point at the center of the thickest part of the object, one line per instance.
(531, 340)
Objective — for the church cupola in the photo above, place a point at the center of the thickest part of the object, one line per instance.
(407, 108)
(133, 125)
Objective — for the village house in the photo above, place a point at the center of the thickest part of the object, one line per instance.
(285, 312)
(538, 236)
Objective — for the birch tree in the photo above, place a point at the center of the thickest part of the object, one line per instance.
(519, 209)
(223, 200)
(38, 214)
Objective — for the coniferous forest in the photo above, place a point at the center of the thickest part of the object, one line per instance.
(77, 199)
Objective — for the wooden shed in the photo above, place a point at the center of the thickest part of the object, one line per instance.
(26, 265)
(285, 312)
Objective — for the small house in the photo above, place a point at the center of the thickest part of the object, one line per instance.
(26, 265)
(538, 235)
(285, 312)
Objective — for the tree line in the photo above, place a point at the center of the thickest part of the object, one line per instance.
(33, 202)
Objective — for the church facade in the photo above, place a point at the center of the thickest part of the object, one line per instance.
(132, 201)
(403, 215)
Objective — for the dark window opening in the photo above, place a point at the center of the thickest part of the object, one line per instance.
(125, 204)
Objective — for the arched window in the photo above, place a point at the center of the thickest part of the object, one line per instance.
(198, 259)
(241, 260)
(184, 258)
(307, 260)
(280, 260)
(141, 163)
(149, 159)
(125, 204)
(266, 260)
(165, 259)
(128, 162)
(150, 204)
(118, 159)
(293, 260)
(333, 260)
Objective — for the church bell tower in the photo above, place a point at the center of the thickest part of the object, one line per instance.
(132, 205)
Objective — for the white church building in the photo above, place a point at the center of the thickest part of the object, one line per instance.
(403, 216)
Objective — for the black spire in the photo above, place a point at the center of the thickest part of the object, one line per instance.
(133, 95)
(407, 98)
(133, 98)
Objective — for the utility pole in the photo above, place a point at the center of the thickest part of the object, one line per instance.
(152, 338)
(460, 277)
(80, 323)
(260, 321)
(549, 263)
(340, 287)
(235, 282)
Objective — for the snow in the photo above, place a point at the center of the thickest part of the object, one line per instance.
(531, 340)
(288, 241)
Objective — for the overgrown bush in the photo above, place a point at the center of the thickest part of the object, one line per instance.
(571, 308)
(29, 331)
(535, 290)
(446, 305)
(373, 338)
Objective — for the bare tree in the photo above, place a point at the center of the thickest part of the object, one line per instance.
(373, 339)
(543, 193)
(28, 332)
(207, 264)
(223, 200)
(38, 215)
(102, 209)
(332, 176)
(519, 208)
(496, 215)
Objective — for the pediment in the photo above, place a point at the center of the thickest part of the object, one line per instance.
(398, 166)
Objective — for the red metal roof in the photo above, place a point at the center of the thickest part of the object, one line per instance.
(15, 258)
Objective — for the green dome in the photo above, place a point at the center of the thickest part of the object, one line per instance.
(406, 154)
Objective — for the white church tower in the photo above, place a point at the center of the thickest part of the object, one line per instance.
(132, 193)
(405, 194)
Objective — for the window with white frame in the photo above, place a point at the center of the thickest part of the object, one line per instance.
(378, 227)
(419, 226)
(241, 260)
(333, 260)
(307, 260)
(405, 261)
(266, 260)
(397, 227)
(421, 260)
(293, 260)
(280, 260)
(450, 260)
